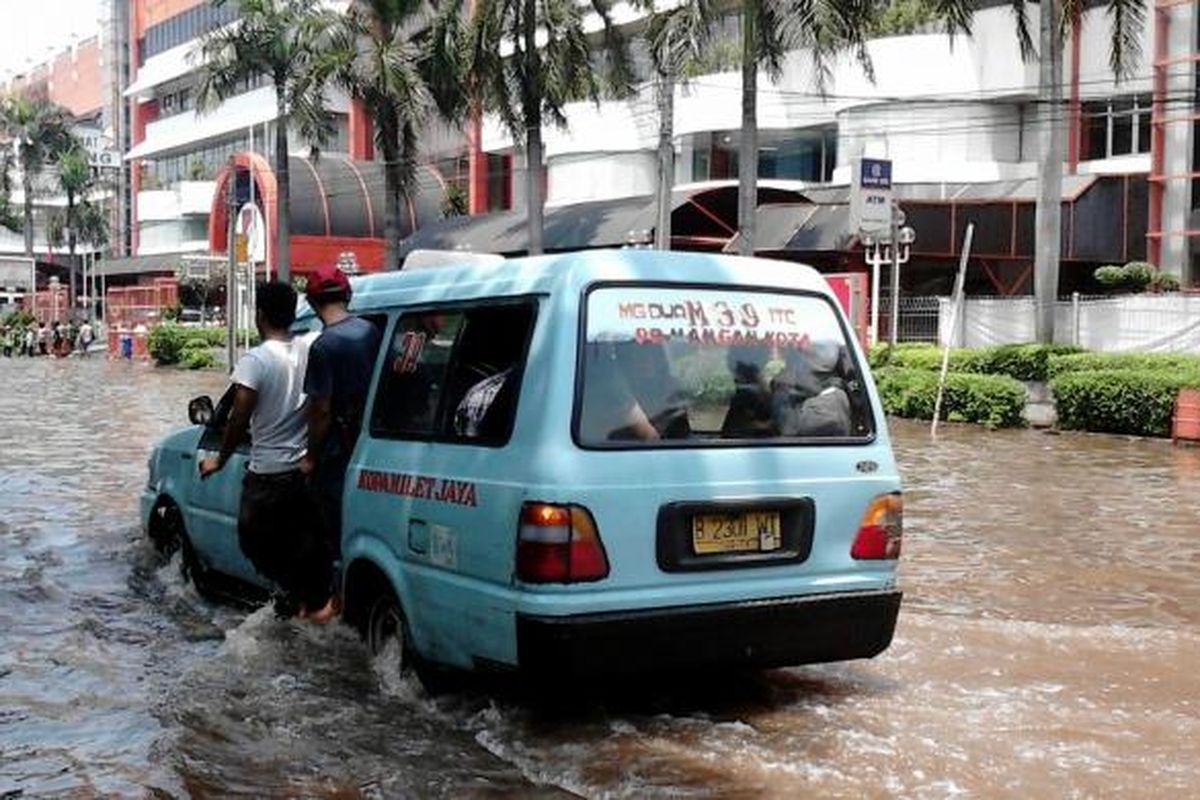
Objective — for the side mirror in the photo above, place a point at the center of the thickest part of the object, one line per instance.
(200, 410)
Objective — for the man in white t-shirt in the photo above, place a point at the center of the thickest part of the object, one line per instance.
(278, 523)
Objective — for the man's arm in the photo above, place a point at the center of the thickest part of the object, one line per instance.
(318, 385)
(244, 401)
(320, 420)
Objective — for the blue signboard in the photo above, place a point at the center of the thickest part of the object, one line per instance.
(875, 173)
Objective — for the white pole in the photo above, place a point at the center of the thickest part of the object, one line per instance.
(955, 302)
(875, 264)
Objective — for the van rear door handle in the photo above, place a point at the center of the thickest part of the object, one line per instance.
(418, 536)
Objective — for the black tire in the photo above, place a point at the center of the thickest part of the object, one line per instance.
(384, 622)
(169, 534)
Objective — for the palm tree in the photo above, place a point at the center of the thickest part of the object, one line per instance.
(676, 39)
(278, 39)
(532, 84)
(398, 57)
(75, 179)
(824, 28)
(1126, 19)
(8, 218)
(41, 131)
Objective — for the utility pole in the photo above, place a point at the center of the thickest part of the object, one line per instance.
(231, 273)
(1048, 216)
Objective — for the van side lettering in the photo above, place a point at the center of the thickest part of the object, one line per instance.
(422, 487)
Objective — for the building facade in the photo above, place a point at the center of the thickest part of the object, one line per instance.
(958, 118)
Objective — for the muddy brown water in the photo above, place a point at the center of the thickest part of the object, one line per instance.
(1048, 647)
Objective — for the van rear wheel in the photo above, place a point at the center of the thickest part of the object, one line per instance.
(385, 624)
(387, 629)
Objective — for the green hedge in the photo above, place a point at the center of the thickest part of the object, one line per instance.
(1138, 402)
(1025, 362)
(996, 401)
(1084, 362)
(167, 342)
(197, 355)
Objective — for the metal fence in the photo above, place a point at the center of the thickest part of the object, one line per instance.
(918, 321)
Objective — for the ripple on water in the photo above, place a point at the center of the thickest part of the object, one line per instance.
(1046, 647)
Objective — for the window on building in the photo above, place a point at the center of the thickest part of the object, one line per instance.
(1116, 127)
(186, 26)
(803, 154)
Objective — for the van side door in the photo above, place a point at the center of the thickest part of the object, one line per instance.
(433, 473)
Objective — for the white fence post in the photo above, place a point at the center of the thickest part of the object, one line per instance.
(1075, 318)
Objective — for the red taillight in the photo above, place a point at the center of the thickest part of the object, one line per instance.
(882, 529)
(559, 544)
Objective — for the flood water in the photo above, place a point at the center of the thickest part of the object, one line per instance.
(1048, 646)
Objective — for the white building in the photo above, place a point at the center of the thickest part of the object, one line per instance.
(959, 120)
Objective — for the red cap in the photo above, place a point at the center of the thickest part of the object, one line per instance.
(327, 279)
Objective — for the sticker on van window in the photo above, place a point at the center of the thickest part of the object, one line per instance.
(408, 353)
(708, 317)
(422, 487)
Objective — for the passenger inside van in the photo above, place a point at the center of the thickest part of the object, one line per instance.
(749, 412)
(631, 395)
(491, 348)
(809, 398)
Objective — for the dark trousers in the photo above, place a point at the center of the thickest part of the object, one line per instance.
(280, 531)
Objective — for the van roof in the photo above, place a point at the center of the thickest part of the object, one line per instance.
(576, 270)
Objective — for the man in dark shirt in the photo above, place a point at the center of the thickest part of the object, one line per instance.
(340, 363)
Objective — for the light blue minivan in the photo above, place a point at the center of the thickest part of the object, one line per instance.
(596, 464)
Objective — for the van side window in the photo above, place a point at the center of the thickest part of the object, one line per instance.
(486, 374)
(413, 377)
(454, 375)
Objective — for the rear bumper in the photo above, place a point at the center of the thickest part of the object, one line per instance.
(763, 633)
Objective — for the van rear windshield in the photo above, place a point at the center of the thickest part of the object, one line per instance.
(668, 366)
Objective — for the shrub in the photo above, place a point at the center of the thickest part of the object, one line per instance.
(197, 356)
(996, 401)
(1136, 276)
(1086, 362)
(166, 343)
(1025, 362)
(1138, 402)
(1110, 276)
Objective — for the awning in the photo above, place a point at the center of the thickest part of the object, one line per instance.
(1022, 190)
(578, 226)
(799, 228)
(702, 215)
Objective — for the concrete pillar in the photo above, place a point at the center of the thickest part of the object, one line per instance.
(1178, 137)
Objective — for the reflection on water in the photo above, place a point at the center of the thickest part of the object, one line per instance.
(1047, 645)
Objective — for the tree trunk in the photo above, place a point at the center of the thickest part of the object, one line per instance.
(283, 239)
(389, 130)
(748, 145)
(666, 160)
(72, 241)
(1048, 214)
(27, 187)
(532, 114)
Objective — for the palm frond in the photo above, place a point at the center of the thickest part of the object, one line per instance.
(1128, 18)
(678, 37)
(1020, 13)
